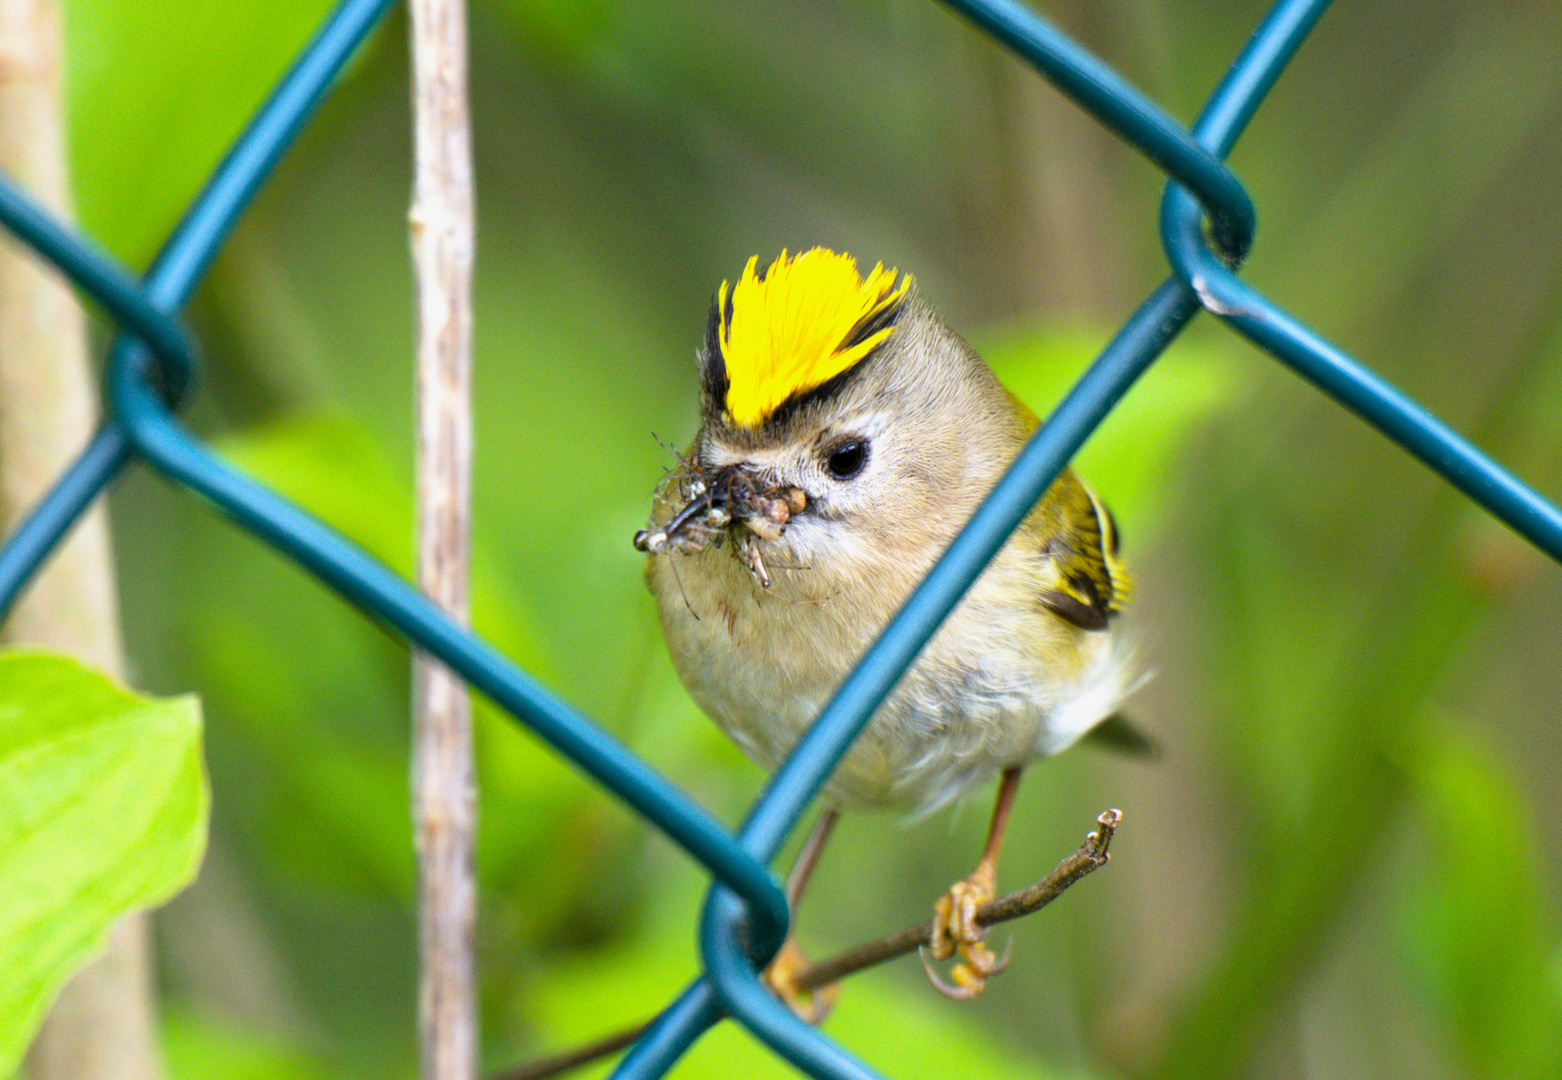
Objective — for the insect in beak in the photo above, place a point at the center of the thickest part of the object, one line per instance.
(718, 502)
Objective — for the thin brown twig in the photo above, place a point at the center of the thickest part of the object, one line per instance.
(444, 785)
(1092, 855)
(565, 1060)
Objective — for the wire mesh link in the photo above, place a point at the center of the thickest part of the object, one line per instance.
(152, 365)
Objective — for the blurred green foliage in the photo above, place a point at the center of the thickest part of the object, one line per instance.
(154, 102)
(1345, 863)
(1476, 933)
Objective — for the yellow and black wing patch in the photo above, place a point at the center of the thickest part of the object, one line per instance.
(1082, 579)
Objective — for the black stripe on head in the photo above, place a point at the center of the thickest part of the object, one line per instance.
(713, 365)
(871, 324)
(865, 329)
(824, 391)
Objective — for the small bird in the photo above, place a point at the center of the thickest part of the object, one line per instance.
(846, 434)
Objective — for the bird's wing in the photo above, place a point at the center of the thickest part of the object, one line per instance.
(1082, 578)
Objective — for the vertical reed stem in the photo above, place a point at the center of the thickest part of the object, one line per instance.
(103, 1024)
(444, 789)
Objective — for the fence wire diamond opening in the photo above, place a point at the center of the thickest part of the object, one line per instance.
(152, 365)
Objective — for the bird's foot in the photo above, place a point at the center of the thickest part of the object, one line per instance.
(811, 1006)
(955, 930)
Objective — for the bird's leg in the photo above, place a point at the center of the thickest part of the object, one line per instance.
(811, 1005)
(954, 914)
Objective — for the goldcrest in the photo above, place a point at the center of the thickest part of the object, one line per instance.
(846, 434)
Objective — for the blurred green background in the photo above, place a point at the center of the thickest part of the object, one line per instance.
(1344, 863)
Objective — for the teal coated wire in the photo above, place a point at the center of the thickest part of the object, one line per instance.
(672, 1032)
(143, 309)
(47, 523)
(735, 976)
(153, 363)
(141, 417)
(348, 570)
(100, 276)
(1352, 385)
(374, 589)
(1111, 99)
(735, 973)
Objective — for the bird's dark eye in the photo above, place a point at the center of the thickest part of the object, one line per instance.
(847, 459)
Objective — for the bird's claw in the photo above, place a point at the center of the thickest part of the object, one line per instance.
(955, 930)
(970, 976)
(810, 1006)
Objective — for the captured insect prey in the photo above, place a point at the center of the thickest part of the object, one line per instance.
(718, 503)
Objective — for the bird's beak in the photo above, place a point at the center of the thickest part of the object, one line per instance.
(716, 499)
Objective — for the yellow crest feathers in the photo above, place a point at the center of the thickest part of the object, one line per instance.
(798, 325)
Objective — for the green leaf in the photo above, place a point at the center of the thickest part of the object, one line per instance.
(103, 808)
(1129, 458)
(1475, 932)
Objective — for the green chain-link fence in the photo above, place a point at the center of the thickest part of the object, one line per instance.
(1207, 226)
